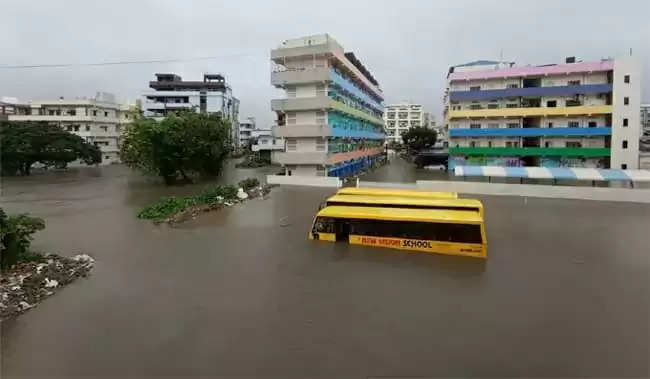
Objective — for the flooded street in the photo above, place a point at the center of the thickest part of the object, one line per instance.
(564, 291)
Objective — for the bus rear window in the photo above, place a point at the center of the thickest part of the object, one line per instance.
(433, 231)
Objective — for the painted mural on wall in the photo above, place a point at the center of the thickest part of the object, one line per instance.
(572, 162)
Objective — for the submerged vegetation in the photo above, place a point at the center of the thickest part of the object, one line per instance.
(177, 208)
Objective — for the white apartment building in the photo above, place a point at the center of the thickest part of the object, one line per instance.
(575, 114)
(244, 132)
(330, 118)
(399, 118)
(266, 144)
(99, 120)
(169, 93)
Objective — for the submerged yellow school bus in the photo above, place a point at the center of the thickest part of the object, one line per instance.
(453, 232)
(404, 202)
(369, 191)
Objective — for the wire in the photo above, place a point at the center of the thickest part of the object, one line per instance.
(116, 63)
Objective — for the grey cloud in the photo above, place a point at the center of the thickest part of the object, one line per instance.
(407, 45)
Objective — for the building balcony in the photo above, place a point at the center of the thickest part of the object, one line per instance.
(293, 157)
(301, 104)
(532, 151)
(330, 49)
(48, 118)
(494, 94)
(357, 113)
(303, 130)
(347, 85)
(356, 154)
(531, 112)
(304, 76)
(532, 132)
(321, 103)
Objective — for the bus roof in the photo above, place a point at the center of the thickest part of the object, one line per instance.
(407, 201)
(400, 214)
(369, 191)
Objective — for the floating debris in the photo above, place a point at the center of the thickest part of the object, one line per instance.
(26, 284)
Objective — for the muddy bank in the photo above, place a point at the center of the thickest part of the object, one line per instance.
(26, 284)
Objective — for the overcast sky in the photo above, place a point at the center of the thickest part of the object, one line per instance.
(408, 46)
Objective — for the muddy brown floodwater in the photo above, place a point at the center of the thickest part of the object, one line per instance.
(240, 293)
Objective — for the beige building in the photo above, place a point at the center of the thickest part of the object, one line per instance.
(99, 120)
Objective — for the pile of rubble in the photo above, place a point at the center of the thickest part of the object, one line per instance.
(26, 284)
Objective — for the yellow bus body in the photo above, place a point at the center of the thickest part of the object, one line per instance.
(458, 217)
(405, 202)
(369, 191)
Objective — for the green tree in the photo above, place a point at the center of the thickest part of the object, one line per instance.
(419, 138)
(178, 147)
(16, 236)
(25, 143)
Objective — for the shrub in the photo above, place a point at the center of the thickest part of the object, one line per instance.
(249, 183)
(16, 236)
(165, 208)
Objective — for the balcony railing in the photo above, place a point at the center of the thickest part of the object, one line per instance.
(528, 112)
(532, 151)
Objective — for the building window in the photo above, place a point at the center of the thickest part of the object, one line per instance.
(513, 85)
(625, 122)
(626, 78)
(291, 118)
(87, 128)
(512, 125)
(547, 144)
(94, 113)
(626, 100)
(489, 143)
(493, 126)
(76, 128)
(574, 124)
(475, 126)
(72, 112)
(68, 128)
(574, 82)
(551, 104)
(291, 145)
(512, 105)
(291, 91)
(623, 166)
(592, 124)
(573, 144)
(117, 128)
(550, 124)
(493, 106)
(104, 128)
(320, 145)
(472, 144)
(391, 115)
(475, 106)
(320, 117)
(625, 144)
(105, 114)
(475, 88)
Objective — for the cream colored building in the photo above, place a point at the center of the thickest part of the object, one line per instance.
(99, 120)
